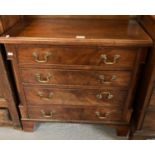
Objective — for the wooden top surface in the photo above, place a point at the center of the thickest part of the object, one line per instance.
(94, 31)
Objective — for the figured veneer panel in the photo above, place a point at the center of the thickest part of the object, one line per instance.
(74, 113)
(77, 55)
(101, 97)
(76, 77)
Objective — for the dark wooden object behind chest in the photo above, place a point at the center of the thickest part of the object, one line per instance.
(144, 117)
(76, 69)
(8, 107)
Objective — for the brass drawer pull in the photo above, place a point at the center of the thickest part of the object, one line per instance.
(106, 95)
(103, 81)
(47, 114)
(45, 60)
(102, 115)
(41, 80)
(105, 59)
(49, 97)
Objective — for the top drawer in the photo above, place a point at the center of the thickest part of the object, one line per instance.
(77, 55)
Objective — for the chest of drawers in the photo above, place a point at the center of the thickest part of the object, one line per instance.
(76, 70)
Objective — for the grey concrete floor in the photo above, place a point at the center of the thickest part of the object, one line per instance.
(61, 131)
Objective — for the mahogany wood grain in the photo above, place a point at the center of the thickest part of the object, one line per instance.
(64, 31)
(77, 55)
(76, 77)
(98, 97)
(59, 112)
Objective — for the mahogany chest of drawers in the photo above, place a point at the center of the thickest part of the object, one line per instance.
(76, 70)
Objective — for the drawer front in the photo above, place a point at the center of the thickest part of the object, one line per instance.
(76, 77)
(80, 113)
(77, 55)
(149, 121)
(4, 115)
(100, 97)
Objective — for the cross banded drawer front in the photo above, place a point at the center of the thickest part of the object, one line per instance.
(68, 87)
(76, 77)
(100, 97)
(74, 113)
(77, 55)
